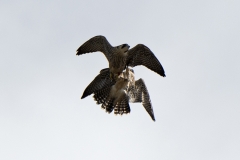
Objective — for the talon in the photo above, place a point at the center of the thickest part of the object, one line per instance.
(111, 75)
(115, 77)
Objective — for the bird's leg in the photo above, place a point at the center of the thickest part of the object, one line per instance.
(116, 76)
(127, 76)
(111, 75)
(127, 72)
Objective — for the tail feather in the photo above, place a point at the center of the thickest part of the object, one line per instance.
(101, 95)
(108, 105)
(122, 107)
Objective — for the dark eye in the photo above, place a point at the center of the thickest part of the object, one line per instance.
(124, 45)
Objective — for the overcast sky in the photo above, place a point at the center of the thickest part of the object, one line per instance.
(196, 106)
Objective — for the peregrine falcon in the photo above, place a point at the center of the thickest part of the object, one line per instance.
(105, 92)
(121, 56)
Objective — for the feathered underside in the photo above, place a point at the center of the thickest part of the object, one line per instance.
(108, 103)
(122, 107)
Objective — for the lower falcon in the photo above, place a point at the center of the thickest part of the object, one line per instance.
(110, 93)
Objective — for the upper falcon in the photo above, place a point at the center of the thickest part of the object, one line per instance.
(121, 56)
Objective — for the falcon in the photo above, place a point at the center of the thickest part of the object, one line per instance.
(120, 57)
(135, 91)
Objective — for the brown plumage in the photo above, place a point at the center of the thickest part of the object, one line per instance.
(121, 56)
(117, 95)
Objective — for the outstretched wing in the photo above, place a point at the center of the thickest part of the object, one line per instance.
(102, 80)
(140, 94)
(142, 55)
(97, 43)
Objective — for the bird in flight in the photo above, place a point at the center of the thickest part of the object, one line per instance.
(120, 57)
(117, 94)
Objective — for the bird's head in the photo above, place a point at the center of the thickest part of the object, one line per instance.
(131, 70)
(124, 47)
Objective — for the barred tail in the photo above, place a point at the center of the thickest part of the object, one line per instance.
(101, 95)
(122, 107)
(108, 105)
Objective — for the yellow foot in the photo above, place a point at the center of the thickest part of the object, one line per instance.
(116, 77)
(113, 76)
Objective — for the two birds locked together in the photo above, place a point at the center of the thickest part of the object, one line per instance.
(115, 87)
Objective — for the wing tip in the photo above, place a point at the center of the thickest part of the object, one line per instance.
(84, 95)
(78, 52)
(153, 118)
(162, 73)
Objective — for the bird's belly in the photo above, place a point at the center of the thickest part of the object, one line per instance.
(116, 93)
(118, 64)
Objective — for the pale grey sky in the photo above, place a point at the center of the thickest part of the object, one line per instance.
(196, 106)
